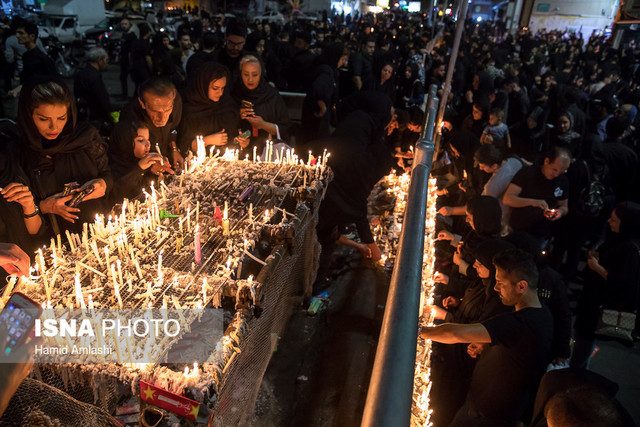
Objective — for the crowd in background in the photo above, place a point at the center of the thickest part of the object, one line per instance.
(539, 150)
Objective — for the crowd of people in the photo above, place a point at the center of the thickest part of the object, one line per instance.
(539, 151)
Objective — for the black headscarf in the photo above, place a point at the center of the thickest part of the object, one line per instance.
(629, 214)
(72, 136)
(261, 94)
(203, 116)
(487, 215)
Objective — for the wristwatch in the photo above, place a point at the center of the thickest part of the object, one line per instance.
(35, 212)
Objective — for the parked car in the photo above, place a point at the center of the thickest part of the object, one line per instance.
(62, 27)
(271, 17)
(109, 33)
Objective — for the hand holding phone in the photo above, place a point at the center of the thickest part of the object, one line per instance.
(18, 318)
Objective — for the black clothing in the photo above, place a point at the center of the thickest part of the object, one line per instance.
(128, 177)
(233, 64)
(12, 227)
(529, 144)
(35, 66)
(509, 369)
(301, 66)
(388, 88)
(138, 67)
(78, 154)
(323, 87)
(620, 256)
(360, 65)
(535, 185)
(623, 168)
(89, 87)
(126, 43)
(203, 116)
(268, 104)
(197, 59)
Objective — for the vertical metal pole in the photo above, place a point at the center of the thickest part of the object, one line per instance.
(462, 15)
(390, 391)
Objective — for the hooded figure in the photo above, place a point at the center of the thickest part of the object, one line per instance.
(76, 154)
(269, 108)
(202, 115)
(318, 105)
(612, 279)
(565, 136)
(357, 160)
(410, 89)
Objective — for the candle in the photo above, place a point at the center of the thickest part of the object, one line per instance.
(255, 149)
(225, 220)
(204, 292)
(138, 268)
(59, 242)
(160, 264)
(180, 222)
(198, 212)
(196, 245)
(250, 212)
(189, 218)
(304, 177)
(79, 299)
(106, 255)
(71, 246)
(42, 264)
(119, 264)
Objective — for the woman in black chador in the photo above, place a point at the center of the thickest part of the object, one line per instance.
(262, 109)
(208, 109)
(55, 150)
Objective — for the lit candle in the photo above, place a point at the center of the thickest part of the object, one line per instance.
(42, 264)
(225, 220)
(196, 245)
(180, 222)
(255, 152)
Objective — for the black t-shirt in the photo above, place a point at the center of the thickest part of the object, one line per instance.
(536, 186)
(510, 368)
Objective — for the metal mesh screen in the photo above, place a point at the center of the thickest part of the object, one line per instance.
(288, 278)
(38, 404)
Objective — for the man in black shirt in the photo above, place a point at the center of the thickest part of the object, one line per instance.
(209, 42)
(301, 63)
(126, 44)
(539, 195)
(360, 66)
(510, 367)
(35, 63)
(89, 87)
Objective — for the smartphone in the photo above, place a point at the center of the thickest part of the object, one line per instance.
(246, 104)
(19, 315)
(246, 134)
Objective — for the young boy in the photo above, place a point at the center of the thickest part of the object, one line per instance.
(497, 132)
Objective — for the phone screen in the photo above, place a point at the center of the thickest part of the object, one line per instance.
(19, 315)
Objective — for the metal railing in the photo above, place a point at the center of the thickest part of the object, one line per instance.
(391, 388)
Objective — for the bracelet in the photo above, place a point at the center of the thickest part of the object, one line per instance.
(31, 215)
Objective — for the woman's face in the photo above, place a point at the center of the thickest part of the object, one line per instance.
(564, 124)
(476, 82)
(50, 119)
(260, 47)
(166, 42)
(141, 144)
(216, 89)
(469, 218)
(614, 222)
(477, 113)
(531, 123)
(407, 72)
(251, 73)
(386, 72)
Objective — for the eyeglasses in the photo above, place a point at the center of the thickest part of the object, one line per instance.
(235, 44)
